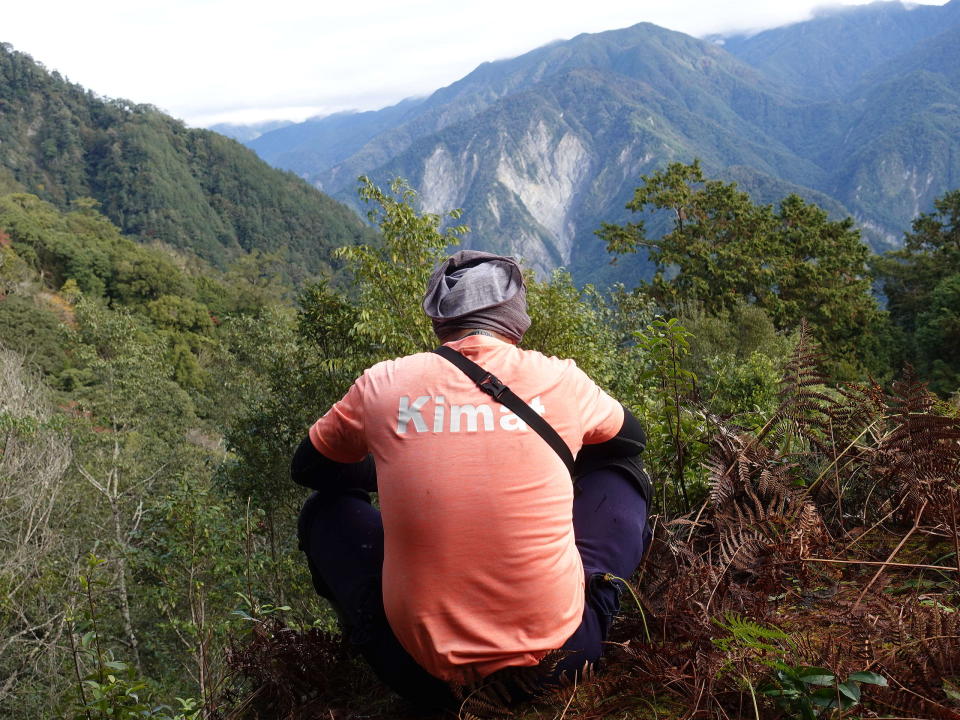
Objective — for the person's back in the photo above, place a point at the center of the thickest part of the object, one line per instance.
(482, 567)
(476, 506)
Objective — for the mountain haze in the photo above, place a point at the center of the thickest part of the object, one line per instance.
(888, 76)
(538, 149)
(246, 133)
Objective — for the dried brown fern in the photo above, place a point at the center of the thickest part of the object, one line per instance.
(856, 418)
(758, 517)
(857, 407)
(497, 695)
(278, 673)
(918, 458)
(926, 650)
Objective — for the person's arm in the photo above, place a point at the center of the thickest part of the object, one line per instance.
(314, 470)
(621, 452)
(629, 441)
(334, 456)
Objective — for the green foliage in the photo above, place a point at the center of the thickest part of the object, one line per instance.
(808, 692)
(158, 180)
(181, 358)
(330, 354)
(746, 634)
(256, 611)
(745, 391)
(85, 247)
(272, 384)
(42, 236)
(738, 358)
(199, 552)
(253, 281)
(84, 254)
(34, 331)
(144, 276)
(115, 690)
(570, 322)
(129, 382)
(174, 312)
(107, 687)
(938, 336)
(131, 443)
(261, 419)
(802, 691)
(276, 374)
(792, 262)
(673, 434)
(13, 270)
(394, 274)
(923, 292)
(738, 333)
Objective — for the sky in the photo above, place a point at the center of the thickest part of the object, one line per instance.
(246, 61)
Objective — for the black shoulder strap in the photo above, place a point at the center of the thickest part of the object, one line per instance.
(504, 395)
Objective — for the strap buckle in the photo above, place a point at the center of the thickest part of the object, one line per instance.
(492, 386)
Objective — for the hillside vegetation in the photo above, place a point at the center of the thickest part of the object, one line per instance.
(149, 407)
(157, 180)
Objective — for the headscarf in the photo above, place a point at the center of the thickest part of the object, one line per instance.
(475, 289)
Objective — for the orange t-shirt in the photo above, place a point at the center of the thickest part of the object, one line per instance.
(480, 567)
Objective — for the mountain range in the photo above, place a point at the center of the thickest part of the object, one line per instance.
(857, 109)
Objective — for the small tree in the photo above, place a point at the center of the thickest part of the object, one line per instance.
(35, 508)
(723, 249)
(673, 429)
(921, 283)
(392, 276)
(135, 438)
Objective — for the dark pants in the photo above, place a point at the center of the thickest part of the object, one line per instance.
(342, 535)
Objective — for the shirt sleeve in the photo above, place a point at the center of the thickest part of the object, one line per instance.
(601, 417)
(339, 434)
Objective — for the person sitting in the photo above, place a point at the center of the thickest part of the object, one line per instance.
(483, 558)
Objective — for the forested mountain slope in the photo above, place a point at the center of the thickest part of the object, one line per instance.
(537, 148)
(888, 73)
(155, 178)
(828, 56)
(539, 169)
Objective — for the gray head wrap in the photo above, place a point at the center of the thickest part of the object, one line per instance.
(478, 290)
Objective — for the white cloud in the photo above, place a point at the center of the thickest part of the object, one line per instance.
(239, 59)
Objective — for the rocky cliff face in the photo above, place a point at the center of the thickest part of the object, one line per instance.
(546, 175)
(539, 174)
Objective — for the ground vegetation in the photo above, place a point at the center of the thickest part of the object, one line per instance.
(805, 560)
